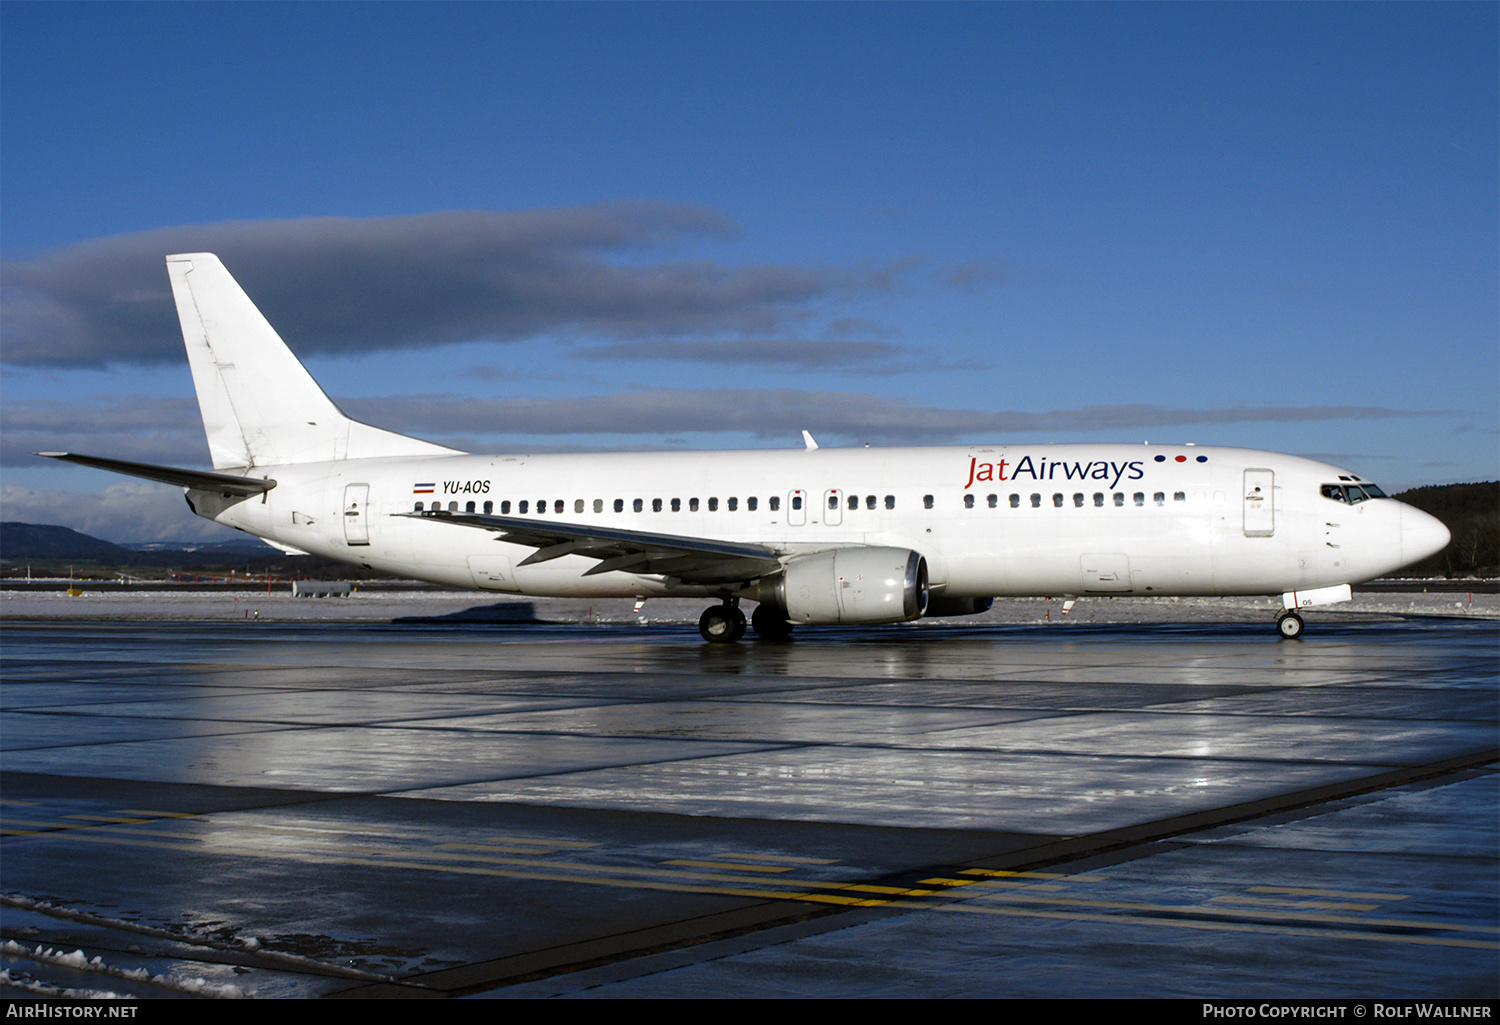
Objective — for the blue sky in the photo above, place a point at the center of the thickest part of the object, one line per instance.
(551, 227)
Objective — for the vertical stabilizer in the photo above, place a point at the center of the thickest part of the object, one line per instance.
(260, 405)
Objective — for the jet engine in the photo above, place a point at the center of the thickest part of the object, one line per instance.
(853, 585)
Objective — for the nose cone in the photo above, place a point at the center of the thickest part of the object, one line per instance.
(1421, 535)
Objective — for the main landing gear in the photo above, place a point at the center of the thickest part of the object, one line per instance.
(725, 624)
(1290, 625)
(770, 623)
(722, 624)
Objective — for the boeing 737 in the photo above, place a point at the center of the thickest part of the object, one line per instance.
(811, 535)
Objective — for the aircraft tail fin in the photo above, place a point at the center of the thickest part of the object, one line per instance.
(260, 405)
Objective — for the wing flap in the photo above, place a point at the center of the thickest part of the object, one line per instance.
(689, 559)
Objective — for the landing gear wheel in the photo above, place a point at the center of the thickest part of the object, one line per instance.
(722, 624)
(1290, 626)
(770, 623)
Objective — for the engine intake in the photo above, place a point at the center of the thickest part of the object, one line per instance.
(854, 585)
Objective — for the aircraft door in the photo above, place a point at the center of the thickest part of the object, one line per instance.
(833, 507)
(796, 508)
(1260, 514)
(357, 514)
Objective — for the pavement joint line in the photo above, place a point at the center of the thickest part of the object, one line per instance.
(511, 970)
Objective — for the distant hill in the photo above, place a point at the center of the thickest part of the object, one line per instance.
(51, 550)
(43, 541)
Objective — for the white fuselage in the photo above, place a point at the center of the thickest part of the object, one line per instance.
(990, 520)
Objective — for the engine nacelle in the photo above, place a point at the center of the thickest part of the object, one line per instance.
(938, 605)
(854, 585)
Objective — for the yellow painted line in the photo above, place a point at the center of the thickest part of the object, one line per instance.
(738, 855)
(1140, 913)
(1272, 902)
(729, 865)
(540, 840)
(1126, 905)
(634, 870)
(1178, 923)
(42, 827)
(900, 891)
(1028, 887)
(999, 874)
(492, 849)
(1303, 891)
(18, 804)
(939, 881)
(106, 818)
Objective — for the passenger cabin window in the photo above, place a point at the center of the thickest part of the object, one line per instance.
(558, 506)
(1078, 500)
(577, 505)
(598, 505)
(489, 507)
(994, 501)
(926, 501)
(692, 505)
(750, 504)
(1098, 500)
(619, 505)
(656, 505)
(638, 505)
(853, 502)
(890, 501)
(1057, 501)
(677, 505)
(1036, 501)
(1160, 498)
(713, 505)
(796, 501)
(1179, 496)
(1140, 498)
(775, 502)
(505, 507)
(468, 507)
(968, 501)
(734, 503)
(417, 507)
(1119, 498)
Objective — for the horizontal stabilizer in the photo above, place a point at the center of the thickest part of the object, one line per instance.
(201, 480)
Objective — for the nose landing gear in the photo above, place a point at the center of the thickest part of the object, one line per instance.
(1289, 625)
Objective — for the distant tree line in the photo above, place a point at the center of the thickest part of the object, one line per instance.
(1471, 512)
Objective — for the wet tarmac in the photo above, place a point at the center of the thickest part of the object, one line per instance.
(268, 809)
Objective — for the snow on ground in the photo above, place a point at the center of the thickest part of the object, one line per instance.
(385, 606)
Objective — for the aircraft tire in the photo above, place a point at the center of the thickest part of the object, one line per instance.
(770, 623)
(721, 624)
(1290, 626)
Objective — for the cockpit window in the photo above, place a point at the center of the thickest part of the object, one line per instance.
(1351, 493)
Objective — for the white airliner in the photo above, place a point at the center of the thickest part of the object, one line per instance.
(813, 536)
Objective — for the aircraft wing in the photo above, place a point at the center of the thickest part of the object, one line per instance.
(201, 480)
(693, 560)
